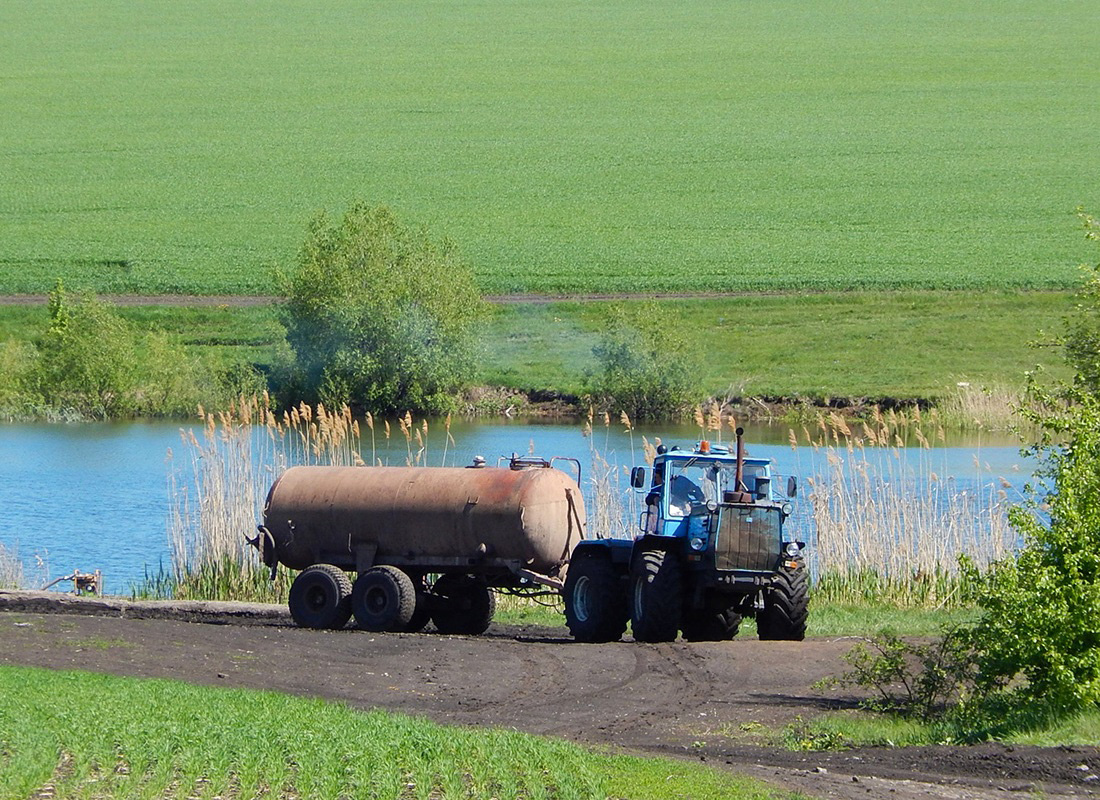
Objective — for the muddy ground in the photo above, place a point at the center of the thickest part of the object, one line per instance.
(700, 701)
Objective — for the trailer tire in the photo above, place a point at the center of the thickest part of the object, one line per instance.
(717, 622)
(320, 598)
(421, 616)
(786, 607)
(595, 601)
(464, 605)
(383, 599)
(656, 594)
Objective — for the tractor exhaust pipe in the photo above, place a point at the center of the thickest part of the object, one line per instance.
(739, 477)
(739, 494)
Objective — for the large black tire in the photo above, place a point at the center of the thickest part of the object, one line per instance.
(464, 605)
(595, 601)
(656, 596)
(786, 607)
(718, 621)
(421, 615)
(320, 597)
(383, 599)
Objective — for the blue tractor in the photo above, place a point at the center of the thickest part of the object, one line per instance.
(710, 551)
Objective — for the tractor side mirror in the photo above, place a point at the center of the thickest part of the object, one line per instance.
(792, 486)
(637, 477)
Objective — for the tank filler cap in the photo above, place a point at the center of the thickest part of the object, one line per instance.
(478, 462)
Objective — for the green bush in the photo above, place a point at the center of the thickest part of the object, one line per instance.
(379, 316)
(1038, 637)
(86, 362)
(1082, 339)
(90, 363)
(646, 369)
(1033, 655)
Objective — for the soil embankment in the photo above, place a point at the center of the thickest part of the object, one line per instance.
(699, 701)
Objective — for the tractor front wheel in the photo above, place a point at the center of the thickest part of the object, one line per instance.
(786, 607)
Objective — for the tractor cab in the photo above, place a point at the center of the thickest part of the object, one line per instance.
(720, 503)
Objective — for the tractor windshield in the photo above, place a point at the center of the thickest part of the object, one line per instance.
(694, 483)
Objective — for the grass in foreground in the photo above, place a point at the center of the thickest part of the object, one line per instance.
(74, 734)
(564, 147)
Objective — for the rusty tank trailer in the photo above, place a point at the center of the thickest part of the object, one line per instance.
(426, 542)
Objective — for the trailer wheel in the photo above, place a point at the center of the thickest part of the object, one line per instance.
(656, 591)
(786, 607)
(465, 606)
(719, 621)
(595, 601)
(320, 597)
(421, 616)
(383, 599)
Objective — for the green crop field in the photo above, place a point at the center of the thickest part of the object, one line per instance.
(564, 145)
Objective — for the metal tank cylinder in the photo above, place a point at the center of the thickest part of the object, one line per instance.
(490, 519)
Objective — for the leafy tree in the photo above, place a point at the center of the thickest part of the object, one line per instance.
(380, 316)
(1082, 339)
(92, 363)
(1038, 637)
(646, 369)
(1033, 655)
(86, 360)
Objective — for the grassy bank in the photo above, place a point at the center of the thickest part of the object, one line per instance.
(566, 147)
(905, 345)
(74, 735)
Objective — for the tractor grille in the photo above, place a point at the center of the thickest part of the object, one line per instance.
(748, 538)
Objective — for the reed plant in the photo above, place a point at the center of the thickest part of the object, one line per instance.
(11, 569)
(889, 529)
(990, 408)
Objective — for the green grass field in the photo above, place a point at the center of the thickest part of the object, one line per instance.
(565, 145)
(80, 735)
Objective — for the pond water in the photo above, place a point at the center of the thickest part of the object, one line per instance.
(95, 496)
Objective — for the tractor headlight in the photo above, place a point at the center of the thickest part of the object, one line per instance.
(788, 509)
(698, 542)
(792, 549)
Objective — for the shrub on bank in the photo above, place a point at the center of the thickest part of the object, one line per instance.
(90, 363)
(380, 316)
(646, 370)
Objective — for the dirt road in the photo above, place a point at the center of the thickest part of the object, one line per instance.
(693, 701)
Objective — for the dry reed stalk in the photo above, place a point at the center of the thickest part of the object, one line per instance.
(992, 408)
(217, 495)
(891, 528)
(11, 569)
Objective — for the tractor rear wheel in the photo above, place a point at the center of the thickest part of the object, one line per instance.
(320, 597)
(383, 599)
(786, 607)
(718, 621)
(595, 601)
(465, 605)
(656, 594)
